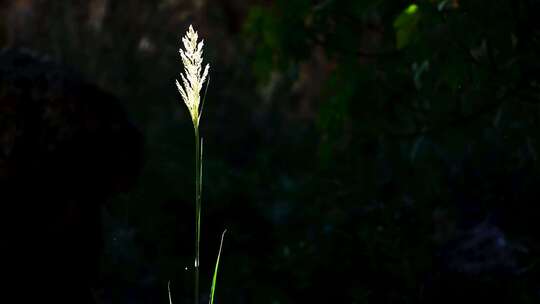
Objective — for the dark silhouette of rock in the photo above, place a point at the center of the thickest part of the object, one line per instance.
(66, 147)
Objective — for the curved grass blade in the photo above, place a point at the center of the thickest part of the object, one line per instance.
(213, 289)
(169, 289)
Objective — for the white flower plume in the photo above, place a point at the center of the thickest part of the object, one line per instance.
(191, 78)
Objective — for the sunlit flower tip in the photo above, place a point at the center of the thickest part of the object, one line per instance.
(192, 80)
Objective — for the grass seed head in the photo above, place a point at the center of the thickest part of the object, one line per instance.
(192, 79)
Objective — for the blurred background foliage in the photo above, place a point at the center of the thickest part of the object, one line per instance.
(357, 151)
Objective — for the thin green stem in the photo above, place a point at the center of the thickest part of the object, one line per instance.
(198, 188)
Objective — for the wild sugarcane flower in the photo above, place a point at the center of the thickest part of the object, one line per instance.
(192, 78)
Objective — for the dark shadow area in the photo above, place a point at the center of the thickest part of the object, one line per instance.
(67, 147)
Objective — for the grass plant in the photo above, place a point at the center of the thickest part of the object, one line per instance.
(193, 79)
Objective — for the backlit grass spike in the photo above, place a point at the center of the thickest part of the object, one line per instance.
(192, 78)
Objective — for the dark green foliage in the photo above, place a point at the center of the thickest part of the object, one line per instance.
(445, 81)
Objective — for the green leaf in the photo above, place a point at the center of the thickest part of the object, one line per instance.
(213, 289)
(405, 25)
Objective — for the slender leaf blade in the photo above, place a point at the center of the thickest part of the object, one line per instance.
(214, 279)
